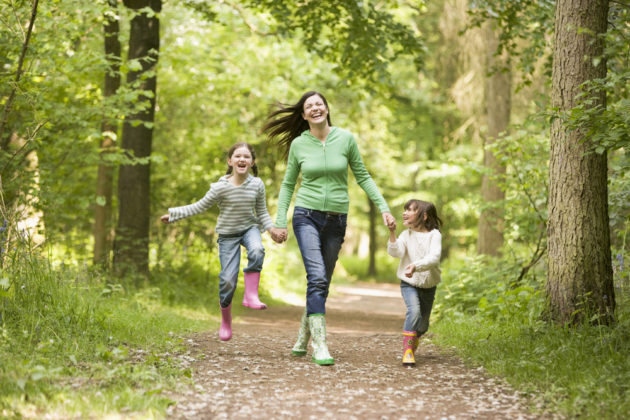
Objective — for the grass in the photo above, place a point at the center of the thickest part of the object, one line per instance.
(578, 372)
(75, 343)
(75, 346)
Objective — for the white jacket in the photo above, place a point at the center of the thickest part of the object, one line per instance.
(424, 250)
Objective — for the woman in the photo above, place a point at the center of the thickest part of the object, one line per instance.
(322, 153)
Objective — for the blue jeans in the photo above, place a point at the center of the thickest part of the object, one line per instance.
(319, 236)
(230, 257)
(419, 303)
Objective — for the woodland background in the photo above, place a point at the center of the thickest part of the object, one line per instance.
(511, 116)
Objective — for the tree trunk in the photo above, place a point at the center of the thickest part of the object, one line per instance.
(131, 247)
(109, 128)
(498, 106)
(372, 247)
(6, 110)
(580, 282)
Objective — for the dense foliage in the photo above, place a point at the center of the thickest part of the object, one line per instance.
(411, 91)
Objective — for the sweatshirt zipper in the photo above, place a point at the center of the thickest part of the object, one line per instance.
(326, 172)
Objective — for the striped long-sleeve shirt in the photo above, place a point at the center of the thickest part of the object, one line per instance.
(240, 207)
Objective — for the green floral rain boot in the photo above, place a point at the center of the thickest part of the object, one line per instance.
(317, 325)
(304, 334)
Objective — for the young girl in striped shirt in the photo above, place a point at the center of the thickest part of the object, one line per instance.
(242, 214)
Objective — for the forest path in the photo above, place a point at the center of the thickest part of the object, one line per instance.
(254, 376)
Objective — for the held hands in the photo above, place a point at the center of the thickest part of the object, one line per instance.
(164, 219)
(389, 220)
(409, 270)
(278, 235)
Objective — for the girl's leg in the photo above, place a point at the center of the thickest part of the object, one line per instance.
(412, 301)
(426, 296)
(230, 258)
(252, 242)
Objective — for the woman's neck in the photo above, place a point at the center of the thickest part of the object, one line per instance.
(320, 131)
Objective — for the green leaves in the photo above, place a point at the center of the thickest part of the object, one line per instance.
(361, 38)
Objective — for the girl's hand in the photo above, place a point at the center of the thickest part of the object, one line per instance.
(279, 235)
(164, 219)
(389, 220)
(409, 270)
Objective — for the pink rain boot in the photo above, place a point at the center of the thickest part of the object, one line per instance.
(409, 337)
(225, 331)
(414, 347)
(250, 298)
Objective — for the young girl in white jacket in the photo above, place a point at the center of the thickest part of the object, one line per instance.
(419, 248)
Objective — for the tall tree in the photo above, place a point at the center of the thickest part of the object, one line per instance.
(579, 281)
(498, 105)
(131, 247)
(109, 128)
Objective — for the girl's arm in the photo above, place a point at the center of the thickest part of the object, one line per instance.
(209, 200)
(261, 207)
(397, 247)
(432, 259)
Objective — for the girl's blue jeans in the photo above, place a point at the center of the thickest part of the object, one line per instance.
(319, 236)
(230, 257)
(419, 303)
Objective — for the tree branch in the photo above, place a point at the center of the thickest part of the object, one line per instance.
(250, 25)
(18, 74)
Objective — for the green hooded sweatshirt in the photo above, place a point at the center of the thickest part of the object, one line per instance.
(324, 168)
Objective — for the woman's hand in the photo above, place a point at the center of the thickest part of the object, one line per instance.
(164, 219)
(389, 220)
(279, 235)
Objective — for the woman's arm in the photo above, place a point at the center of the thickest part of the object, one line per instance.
(287, 188)
(366, 182)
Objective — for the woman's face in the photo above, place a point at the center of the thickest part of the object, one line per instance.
(315, 111)
(241, 160)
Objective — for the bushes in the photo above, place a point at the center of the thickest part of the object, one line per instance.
(66, 329)
(575, 371)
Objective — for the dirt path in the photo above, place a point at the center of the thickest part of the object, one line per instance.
(253, 376)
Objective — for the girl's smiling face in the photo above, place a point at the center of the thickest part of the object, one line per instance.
(411, 217)
(241, 160)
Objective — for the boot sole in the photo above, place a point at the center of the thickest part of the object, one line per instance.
(254, 306)
(298, 352)
(324, 362)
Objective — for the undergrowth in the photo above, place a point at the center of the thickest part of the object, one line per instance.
(577, 372)
(74, 344)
